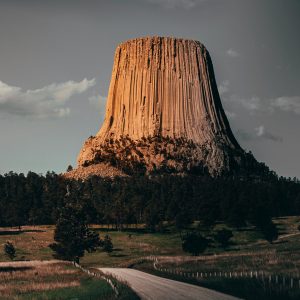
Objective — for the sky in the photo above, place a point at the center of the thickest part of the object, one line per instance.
(56, 59)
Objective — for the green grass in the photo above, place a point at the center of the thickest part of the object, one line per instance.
(89, 289)
(49, 280)
(138, 244)
(247, 249)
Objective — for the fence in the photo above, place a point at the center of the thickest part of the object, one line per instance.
(100, 275)
(281, 280)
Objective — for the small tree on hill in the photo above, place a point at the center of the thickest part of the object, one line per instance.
(10, 250)
(72, 235)
(223, 236)
(69, 168)
(107, 244)
(194, 243)
(270, 232)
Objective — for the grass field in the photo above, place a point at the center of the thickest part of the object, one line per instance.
(247, 248)
(39, 280)
(247, 251)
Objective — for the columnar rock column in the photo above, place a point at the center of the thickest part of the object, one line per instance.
(163, 87)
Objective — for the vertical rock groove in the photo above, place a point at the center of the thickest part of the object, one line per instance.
(163, 86)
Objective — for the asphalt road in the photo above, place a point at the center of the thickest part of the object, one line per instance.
(152, 287)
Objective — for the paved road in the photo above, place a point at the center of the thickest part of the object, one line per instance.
(150, 287)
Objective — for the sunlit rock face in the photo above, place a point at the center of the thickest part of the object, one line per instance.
(164, 112)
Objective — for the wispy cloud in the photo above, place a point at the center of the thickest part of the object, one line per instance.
(232, 53)
(223, 87)
(288, 104)
(97, 101)
(230, 114)
(256, 104)
(48, 101)
(169, 4)
(261, 132)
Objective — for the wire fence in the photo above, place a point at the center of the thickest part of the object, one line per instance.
(280, 280)
(99, 275)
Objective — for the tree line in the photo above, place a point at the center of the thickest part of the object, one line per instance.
(36, 199)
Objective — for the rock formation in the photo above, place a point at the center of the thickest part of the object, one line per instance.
(164, 112)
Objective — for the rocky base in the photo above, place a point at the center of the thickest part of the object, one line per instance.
(100, 170)
(159, 154)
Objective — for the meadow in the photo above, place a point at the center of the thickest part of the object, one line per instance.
(49, 280)
(247, 251)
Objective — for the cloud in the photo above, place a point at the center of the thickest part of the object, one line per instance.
(230, 114)
(243, 135)
(232, 53)
(170, 4)
(262, 133)
(48, 101)
(288, 104)
(97, 101)
(223, 87)
(256, 104)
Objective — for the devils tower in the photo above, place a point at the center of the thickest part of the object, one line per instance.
(163, 113)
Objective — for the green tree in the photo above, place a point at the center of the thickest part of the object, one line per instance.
(10, 250)
(270, 232)
(107, 244)
(194, 243)
(69, 168)
(72, 235)
(223, 236)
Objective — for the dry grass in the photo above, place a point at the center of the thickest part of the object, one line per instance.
(31, 242)
(24, 277)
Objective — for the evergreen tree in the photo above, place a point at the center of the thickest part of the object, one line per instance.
(194, 243)
(10, 250)
(107, 244)
(270, 232)
(72, 235)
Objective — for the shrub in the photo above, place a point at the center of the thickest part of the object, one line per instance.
(10, 250)
(194, 243)
(107, 244)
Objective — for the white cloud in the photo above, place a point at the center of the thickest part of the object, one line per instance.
(262, 133)
(260, 130)
(187, 4)
(252, 104)
(256, 104)
(98, 101)
(48, 101)
(223, 87)
(288, 104)
(230, 114)
(232, 53)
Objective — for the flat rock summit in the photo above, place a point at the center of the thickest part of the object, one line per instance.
(163, 114)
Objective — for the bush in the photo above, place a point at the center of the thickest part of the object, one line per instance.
(107, 244)
(10, 250)
(194, 243)
(270, 232)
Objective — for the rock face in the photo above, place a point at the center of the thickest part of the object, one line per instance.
(163, 112)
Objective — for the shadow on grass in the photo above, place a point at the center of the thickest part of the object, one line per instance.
(14, 269)
(118, 255)
(16, 232)
(130, 230)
